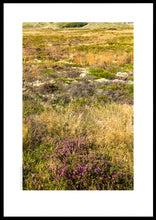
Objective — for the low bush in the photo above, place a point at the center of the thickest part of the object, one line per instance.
(81, 102)
(103, 98)
(80, 167)
(126, 89)
(49, 88)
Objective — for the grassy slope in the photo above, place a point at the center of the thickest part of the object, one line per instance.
(90, 25)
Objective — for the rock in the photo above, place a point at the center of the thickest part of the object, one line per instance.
(75, 81)
(37, 83)
(39, 61)
(117, 81)
(82, 75)
(121, 74)
(130, 82)
(102, 80)
(84, 72)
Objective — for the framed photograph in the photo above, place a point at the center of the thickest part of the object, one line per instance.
(78, 109)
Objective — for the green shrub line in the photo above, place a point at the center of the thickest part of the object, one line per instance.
(72, 24)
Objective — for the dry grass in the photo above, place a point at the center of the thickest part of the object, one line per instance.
(102, 59)
(110, 127)
(64, 43)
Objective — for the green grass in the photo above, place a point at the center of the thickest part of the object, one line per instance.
(73, 64)
(131, 78)
(122, 68)
(103, 98)
(68, 81)
(111, 87)
(49, 71)
(101, 73)
(127, 89)
(81, 102)
(31, 106)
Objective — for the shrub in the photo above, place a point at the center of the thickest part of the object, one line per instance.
(62, 100)
(73, 74)
(126, 89)
(103, 98)
(81, 102)
(80, 167)
(72, 24)
(49, 88)
(129, 89)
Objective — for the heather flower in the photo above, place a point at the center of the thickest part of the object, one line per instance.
(80, 166)
(33, 175)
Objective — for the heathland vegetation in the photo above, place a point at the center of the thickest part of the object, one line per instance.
(77, 106)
